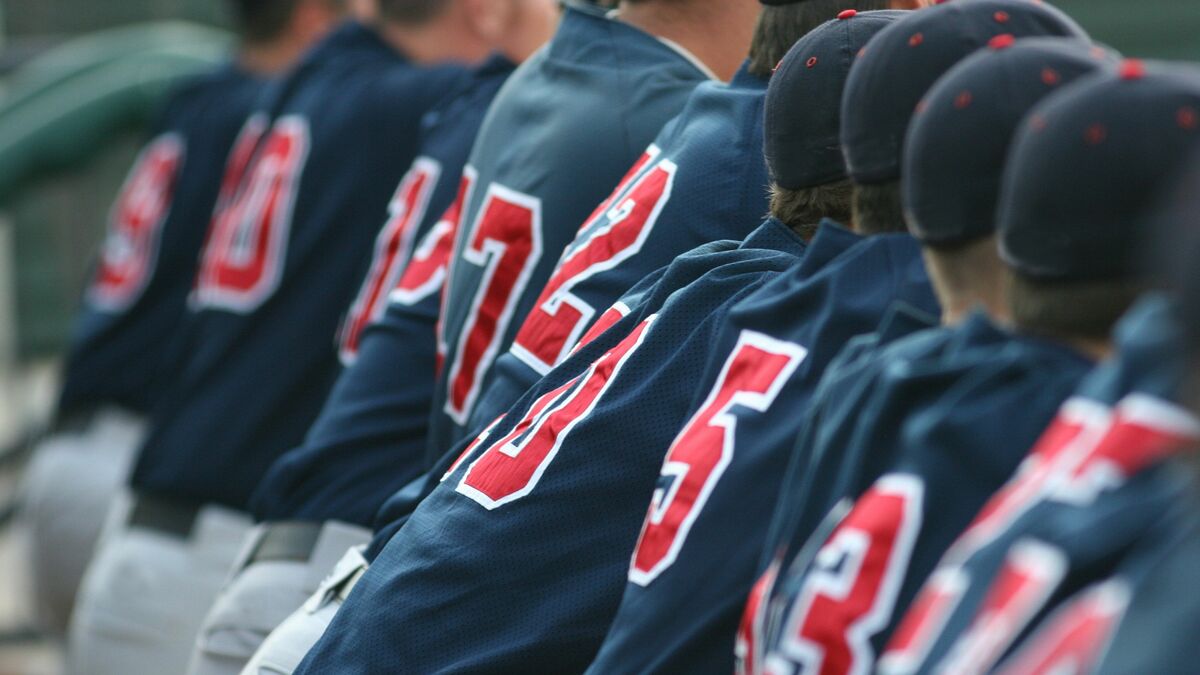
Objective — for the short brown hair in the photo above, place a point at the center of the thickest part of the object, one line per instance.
(803, 209)
(878, 209)
(779, 27)
(261, 21)
(1070, 309)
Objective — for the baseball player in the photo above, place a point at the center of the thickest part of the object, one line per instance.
(678, 612)
(283, 257)
(1097, 485)
(119, 359)
(527, 200)
(1131, 609)
(1155, 630)
(568, 471)
(369, 439)
(919, 397)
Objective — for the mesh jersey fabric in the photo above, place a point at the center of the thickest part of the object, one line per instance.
(680, 614)
(455, 562)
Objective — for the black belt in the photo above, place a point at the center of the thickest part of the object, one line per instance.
(163, 515)
(292, 541)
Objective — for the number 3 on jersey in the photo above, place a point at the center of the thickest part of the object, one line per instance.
(511, 466)
(506, 241)
(613, 233)
(751, 378)
(849, 592)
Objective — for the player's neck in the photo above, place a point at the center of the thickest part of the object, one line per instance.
(1096, 350)
(716, 33)
(440, 41)
(270, 58)
(532, 30)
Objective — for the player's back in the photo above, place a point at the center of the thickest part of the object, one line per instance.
(947, 420)
(685, 582)
(282, 260)
(568, 471)
(119, 352)
(1095, 491)
(560, 135)
(370, 437)
(702, 180)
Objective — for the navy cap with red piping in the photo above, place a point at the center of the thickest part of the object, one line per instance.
(902, 63)
(958, 142)
(803, 104)
(1087, 167)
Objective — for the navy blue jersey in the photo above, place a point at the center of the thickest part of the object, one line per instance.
(703, 179)
(370, 438)
(1093, 496)
(570, 123)
(284, 256)
(530, 531)
(1156, 633)
(723, 472)
(138, 293)
(946, 420)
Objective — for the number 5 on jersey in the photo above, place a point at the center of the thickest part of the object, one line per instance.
(751, 379)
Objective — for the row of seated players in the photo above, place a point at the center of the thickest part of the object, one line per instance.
(529, 541)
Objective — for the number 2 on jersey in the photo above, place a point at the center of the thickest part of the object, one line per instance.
(613, 233)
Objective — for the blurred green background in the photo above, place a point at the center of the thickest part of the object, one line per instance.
(56, 222)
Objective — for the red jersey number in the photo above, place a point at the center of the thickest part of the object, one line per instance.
(393, 248)
(506, 242)
(243, 260)
(851, 587)
(135, 223)
(751, 378)
(1021, 588)
(1075, 638)
(511, 467)
(615, 232)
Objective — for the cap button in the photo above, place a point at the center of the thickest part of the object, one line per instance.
(1132, 69)
(847, 14)
(1003, 41)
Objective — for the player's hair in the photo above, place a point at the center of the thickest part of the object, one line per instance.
(261, 21)
(411, 12)
(803, 209)
(877, 209)
(1067, 310)
(779, 27)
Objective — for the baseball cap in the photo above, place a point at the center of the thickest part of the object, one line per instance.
(1087, 167)
(803, 103)
(899, 66)
(956, 147)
